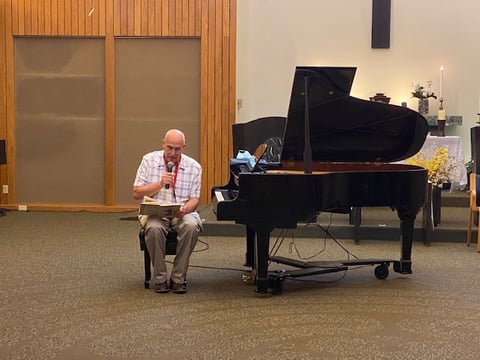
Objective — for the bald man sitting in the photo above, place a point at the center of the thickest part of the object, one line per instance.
(168, 175)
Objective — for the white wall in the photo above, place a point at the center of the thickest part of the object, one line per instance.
(276, 35)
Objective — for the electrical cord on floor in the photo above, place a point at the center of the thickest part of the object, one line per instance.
(209, 267)
(293, 247)
(205, 248)
(278, 243)
(329, 235)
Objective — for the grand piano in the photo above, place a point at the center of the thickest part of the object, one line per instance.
(338, 153)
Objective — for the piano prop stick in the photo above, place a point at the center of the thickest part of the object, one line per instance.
(307, 152)
(354, 144)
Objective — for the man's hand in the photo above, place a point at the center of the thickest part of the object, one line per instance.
(180, 213)
(167, 178)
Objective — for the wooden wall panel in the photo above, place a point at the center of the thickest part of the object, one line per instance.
(212, 20)
(157, 17)
(218, 89)
(61, 18)
(58, 17)
(218, 77)
(110, 145)
(27, 17)
(229, 99)
(45, 15)
(7, 125)
(3, 93)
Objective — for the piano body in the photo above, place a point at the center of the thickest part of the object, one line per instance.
(337, 153)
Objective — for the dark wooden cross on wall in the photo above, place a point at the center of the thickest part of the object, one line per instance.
(381, 24)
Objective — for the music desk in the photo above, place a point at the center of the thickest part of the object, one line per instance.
(456, 157)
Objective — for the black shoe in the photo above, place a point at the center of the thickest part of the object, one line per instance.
(161, 288)
(178, 288)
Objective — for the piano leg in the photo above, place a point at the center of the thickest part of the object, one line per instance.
(262, 245)
(407, 219)
(427, 222)
(355, 219)
(249, 256)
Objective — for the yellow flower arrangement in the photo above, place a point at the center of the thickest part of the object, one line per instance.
(438, 166)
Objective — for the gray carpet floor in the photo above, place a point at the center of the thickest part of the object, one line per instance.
(72, 288)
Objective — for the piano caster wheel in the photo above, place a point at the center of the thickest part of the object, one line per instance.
(276, 285)
(272, 286)
(381, 271)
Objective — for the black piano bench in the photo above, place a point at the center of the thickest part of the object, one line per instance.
(170, 249)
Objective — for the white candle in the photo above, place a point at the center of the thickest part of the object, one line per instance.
(441, 115)
(441, 81)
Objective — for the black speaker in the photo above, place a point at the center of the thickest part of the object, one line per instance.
(381, 24)
(3, 154)
(475, 148)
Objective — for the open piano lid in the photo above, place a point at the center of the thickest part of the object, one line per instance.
(344, 128)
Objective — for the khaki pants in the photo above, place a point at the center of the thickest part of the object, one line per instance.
(156, 230)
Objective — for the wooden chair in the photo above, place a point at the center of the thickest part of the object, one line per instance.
(170, 249)
(474, 208)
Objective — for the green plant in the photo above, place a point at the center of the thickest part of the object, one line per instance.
(423, 92)
(469, 166)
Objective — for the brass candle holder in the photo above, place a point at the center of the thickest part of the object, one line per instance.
(441, 119)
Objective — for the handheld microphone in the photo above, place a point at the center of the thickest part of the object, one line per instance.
(169, 169)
